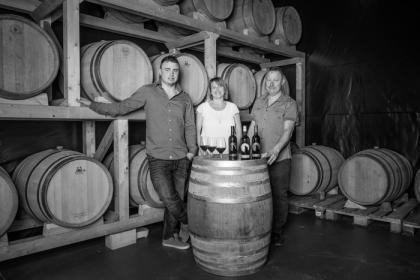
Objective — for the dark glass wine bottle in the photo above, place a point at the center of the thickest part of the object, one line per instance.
(233, 142)
(245, 144)
(256, 144)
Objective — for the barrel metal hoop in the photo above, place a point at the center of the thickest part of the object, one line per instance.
(229, 172)
(230, 184)
(99, 85)
(242, 240)
(27, 180)
(328, 162)
(246, 199)
(317, 164)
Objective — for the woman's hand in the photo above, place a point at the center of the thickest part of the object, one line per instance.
(84, 102)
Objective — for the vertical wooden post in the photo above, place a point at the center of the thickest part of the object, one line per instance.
(210, 47)
(71, 46)
(300, 99)
(89, 142)
(121, 195)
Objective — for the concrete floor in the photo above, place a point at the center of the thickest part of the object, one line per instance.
(314, 249)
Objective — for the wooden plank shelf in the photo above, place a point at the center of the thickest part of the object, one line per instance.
(54, 237)
(411, 224)
(58, 113)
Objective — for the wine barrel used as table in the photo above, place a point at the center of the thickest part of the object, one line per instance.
(63, 187)
(8, 201)
(314, 169)
(141, 187)
(114, 70)
(230, 215)
(373, 176)
(29, 58)
(193, 76)
(240, 82)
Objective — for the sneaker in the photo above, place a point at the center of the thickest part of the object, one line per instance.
(184, 233)
(175, 243)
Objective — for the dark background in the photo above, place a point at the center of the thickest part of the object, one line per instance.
(362, 82)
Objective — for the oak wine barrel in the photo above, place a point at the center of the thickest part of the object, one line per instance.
(229, 215)
(288, 29)
(257, 16)
(29, 58)
(140, 184)
(8, 201)
(314, 169)
(375, 176)
(114, 69)
(241, 83)
(63, 187)
(260, 82)
(193, 76)
(215, 10)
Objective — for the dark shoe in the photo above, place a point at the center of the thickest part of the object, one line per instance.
(184, 233)
(174, 242)
(278, 240)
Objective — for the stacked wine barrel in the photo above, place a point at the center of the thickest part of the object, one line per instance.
(374, 176)
(255, 16)
(214, 10)
(241, 83)
(140, 184)
(192, 78)
(314, 169)
(114, 70)
(260, 82)
(288, 29)
(8, 201)
(63, 187)
(29, 58)
(230, 215)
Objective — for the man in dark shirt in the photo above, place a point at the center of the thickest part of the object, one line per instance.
(170, 143)
(276, 115)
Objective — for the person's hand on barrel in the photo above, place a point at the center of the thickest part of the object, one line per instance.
(272, 155)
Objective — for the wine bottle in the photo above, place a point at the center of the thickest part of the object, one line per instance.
(245, 144)
(256, 144)
(233, 150)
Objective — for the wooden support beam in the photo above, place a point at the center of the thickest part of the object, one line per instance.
(71, 52)
(46, 8)
(281, 62)
(121, 197)
(89, 142)
(188, 41)
(210, 46)
(300, 99)
(105, 143)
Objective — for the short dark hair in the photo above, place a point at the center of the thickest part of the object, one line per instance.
(169, 58)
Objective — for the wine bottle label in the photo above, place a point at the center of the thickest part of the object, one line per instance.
(232, 147)
(245, 150)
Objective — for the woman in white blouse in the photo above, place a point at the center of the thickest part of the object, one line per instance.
(216, 115)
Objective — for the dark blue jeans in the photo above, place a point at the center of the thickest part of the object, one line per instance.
(279, 173)
(169, 178)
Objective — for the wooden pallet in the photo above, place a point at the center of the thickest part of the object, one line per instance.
(317, 202)
(389, 213)
(412, 222)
